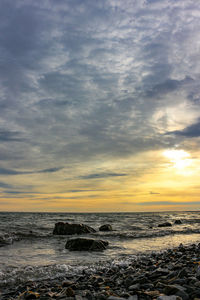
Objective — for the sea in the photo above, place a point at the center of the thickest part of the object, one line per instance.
(30, 252)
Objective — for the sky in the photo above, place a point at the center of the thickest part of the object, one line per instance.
(99, 105)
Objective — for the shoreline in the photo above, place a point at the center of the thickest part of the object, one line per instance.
(171, 274)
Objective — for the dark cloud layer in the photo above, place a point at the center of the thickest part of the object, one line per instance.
(190, 131)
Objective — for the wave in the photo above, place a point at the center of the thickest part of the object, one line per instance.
(139, 233)
(145, 234)
(192, 221)
(6, 239)
(14, 276)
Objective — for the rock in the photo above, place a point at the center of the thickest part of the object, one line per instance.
(31, 295)
(5, 240)
(133, 297)
(115, 298)
(83, 244)
(173, 297)
(178, 222)
(67, 283)
(62, 228)
(134, 287)
(78, 297)
(160, 272)
(69, 292)
(176, 290)
(129, 280)
(166, 224)
(183, 273)
(106, 227)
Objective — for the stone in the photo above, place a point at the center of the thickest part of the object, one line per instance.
(134, 287)
(106, 227)
(176, 290)
(115, 298)
(62, 228)
(178, 222)
(78, 297)
(67, 283)
(133, 297)
(5, 240)
(173, 297)
(165, 224)
(31, 295)
(183, 273)
(83, 244)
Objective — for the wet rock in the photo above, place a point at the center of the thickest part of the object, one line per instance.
(176, 290)
(115, 298)
(165, 224)
(173, 297)
(183, 273)
(5, 240)
(128, 280)
(160, 272)
(83, 244)
(178, 222)
(67, 283)
(62, 228)
(78, 297)
(106, 227)
(134, 287)
(133, 297)
(31, 295)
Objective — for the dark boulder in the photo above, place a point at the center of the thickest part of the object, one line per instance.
(178, 222)
(106, 227)
(82, 244)
(66, 228)
(166, 224)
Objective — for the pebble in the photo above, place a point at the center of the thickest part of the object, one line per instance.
(169, 275)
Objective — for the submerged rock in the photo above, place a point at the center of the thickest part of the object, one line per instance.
(106, 227)
(83, 244)
(166, 224)
(62, 228)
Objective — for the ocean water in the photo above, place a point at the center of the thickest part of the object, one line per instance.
(31, 252)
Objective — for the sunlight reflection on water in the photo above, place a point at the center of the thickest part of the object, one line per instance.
(159, 243)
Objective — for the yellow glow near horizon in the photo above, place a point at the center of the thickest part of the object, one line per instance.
(180, 158)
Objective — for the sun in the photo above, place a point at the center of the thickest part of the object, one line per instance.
(179, 158)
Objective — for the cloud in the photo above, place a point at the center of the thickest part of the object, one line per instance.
(101, 175)
(190, 131)
(5, 185)
(50, 170)
(81, 191)
(10, 136)
(4, 171)
(15, 192)
(169, 85)
(155, 203)
(154, 193)
(80, 84)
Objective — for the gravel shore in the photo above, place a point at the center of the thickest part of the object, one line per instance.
(173, 274)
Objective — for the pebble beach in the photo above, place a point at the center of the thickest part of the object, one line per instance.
(173, 274)
(136, 256)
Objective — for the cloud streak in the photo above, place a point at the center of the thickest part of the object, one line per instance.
(102, 175)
